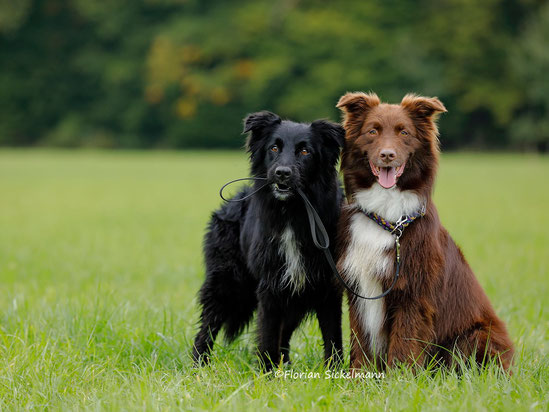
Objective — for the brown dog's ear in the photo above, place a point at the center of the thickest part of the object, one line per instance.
(355, 106)
(357, 102)
(424, 112)
(422, 107)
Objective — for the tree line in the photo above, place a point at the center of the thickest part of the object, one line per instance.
(183, 73)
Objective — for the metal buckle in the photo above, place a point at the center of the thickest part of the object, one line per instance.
(397, 231)
(401, 220)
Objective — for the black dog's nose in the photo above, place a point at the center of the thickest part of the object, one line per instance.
(283, 172)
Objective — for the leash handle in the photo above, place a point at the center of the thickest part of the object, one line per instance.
(239, 180)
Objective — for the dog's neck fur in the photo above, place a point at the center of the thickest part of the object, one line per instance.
(391, 203)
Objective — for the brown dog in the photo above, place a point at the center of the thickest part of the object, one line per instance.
(437, 308)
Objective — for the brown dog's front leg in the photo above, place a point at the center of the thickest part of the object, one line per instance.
(411, 333)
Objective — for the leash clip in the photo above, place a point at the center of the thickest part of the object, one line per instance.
(397, 233)
(397, 247)
(399, 226)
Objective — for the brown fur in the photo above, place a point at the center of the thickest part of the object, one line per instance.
(437, 301)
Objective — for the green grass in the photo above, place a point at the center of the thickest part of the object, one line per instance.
(100, 262)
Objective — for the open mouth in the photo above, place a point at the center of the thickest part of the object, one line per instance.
(281, 191)
(387, 176)
(279, 187)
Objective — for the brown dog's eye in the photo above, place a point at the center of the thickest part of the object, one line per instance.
(373, 131)
(304, 152)
(404, 133)
(274, 149)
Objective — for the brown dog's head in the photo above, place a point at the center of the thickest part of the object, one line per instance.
(390, 144)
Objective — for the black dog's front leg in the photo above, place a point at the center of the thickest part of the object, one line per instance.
(329, 320)
(269, 329)
(290, 321)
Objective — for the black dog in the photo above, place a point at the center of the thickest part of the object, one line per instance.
(259, 252)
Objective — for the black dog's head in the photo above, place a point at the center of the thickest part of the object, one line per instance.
(292, 155)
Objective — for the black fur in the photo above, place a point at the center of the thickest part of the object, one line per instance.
(244, 264)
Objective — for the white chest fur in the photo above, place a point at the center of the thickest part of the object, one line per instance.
(366, 259)
(294, 275)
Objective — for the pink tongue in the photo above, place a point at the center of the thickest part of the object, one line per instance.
(387, 177)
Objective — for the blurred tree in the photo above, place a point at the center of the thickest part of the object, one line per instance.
(36, 81)
(73, 74)
(12, 14)
(530, 61)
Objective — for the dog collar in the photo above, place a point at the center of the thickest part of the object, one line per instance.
(397, 227)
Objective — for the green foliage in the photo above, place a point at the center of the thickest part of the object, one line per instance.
(100, 261)
(174, 73)
(531, 64)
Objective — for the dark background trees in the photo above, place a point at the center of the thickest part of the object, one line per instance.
(183, 73)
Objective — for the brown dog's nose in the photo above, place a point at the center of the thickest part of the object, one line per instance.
(387, 155)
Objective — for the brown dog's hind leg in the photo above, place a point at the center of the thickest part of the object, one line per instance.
(487, 342)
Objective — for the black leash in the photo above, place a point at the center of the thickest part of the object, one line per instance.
(316, 223)
(317, 227)
(238, 180)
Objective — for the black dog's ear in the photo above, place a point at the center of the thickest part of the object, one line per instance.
(260, 120)
(257, 123)
(333, 137)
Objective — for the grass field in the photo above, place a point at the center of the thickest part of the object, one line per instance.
(100, 262)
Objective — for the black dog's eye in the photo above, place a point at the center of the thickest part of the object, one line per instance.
(373, 131)
(304, 152)
(404, 132)
(274, 148)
